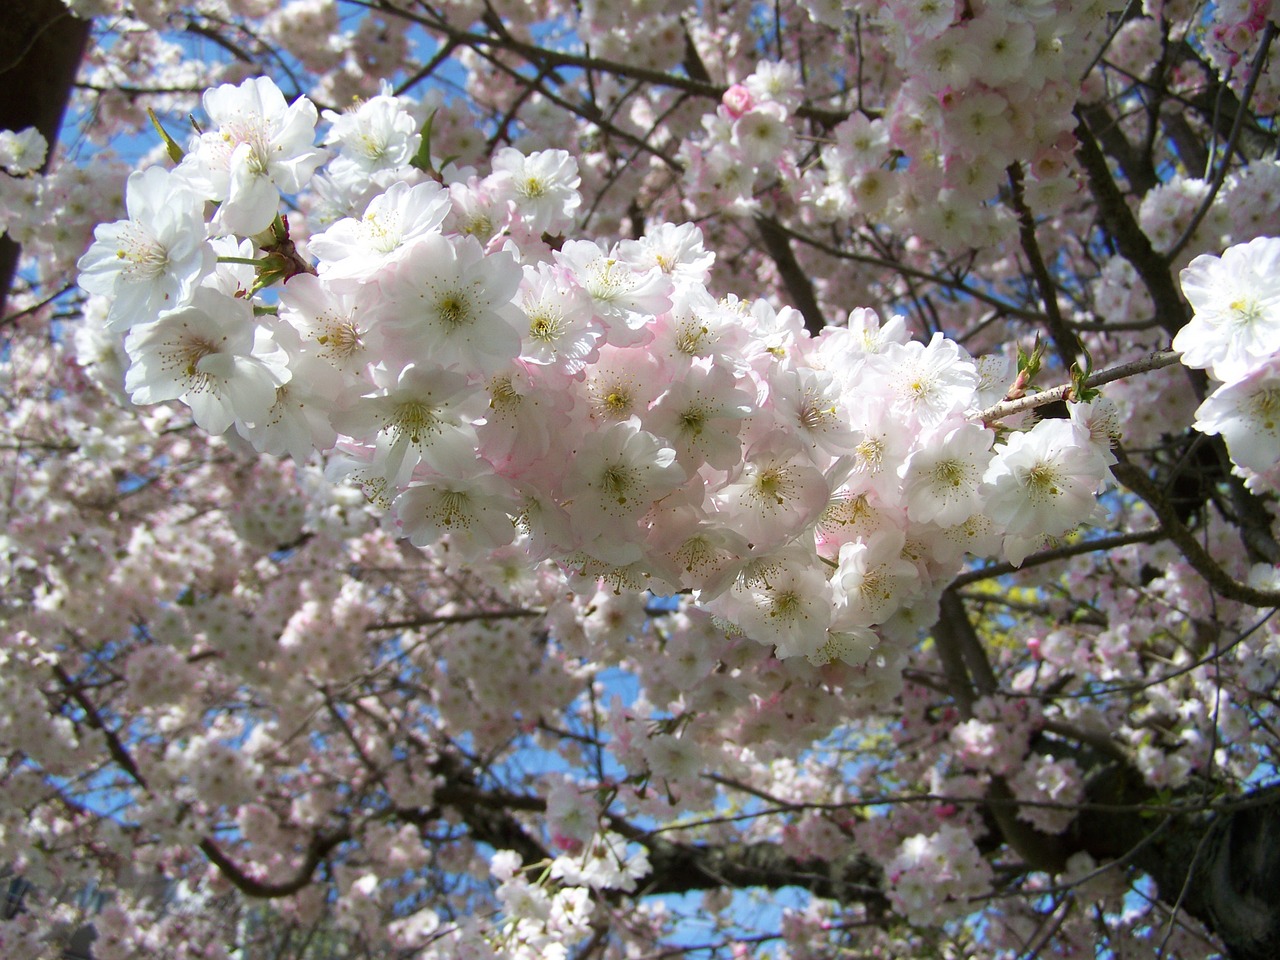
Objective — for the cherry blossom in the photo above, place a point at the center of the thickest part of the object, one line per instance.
(153, 261)
(1236, 323)
(262, 147)
(584, 537)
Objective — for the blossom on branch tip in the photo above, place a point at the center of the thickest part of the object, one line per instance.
(543, 186)
(426, 416)
(22, 151)
(262, 147)
(781, 600)
(472, 507)
(606, 863)
(1042, 483)
(354, 248)
(449, 303)
(375, 134)
(1236, 304)
(776, 494)
(616, 474)
(941, 478)
(624, 297)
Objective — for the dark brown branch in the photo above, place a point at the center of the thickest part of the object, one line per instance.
(115, 746)
(797, 282)
(1136, 166)
(543, 57)
(429, 620)
(320, 847)
(903, 269)
(968, 673)
(849, 877)
(1098, 545)
(1136, 480)
(1233, 138)
(1065, 342)
(41, 45)
(1119, 223)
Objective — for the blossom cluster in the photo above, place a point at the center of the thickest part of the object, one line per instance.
(985, 86)
(1234, 333)
(271, 674)
(942, 868)
(498, 384)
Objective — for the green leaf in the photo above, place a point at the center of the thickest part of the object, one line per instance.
(1029, 363)
(422, 159)
(1028, 368)
(176, 153)
(1080, 393)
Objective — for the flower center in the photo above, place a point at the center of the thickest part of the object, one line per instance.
(949, 473)
(146, 258)
(871, 452)
(340, 339)
(546, 328)
(1043, 481)
(188, 355)
(788, 605)
(414, 419)
(692, 339)
(772, 486)
(616, 481)
(1265, 408)
(1244, 311)
(454, 310)
(693, 420)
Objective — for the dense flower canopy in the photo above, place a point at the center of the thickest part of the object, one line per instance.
(642, 479)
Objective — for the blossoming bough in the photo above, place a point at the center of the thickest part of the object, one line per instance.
(564, 396)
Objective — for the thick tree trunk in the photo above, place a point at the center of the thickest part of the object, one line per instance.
(41, 45)
(1221, 868)
(1238, 880)
(1229, 867)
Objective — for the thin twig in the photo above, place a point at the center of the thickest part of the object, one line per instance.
(1007, 408)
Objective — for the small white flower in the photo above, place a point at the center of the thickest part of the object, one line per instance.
(22, 151)
(375, 134)
(262, 146)
(942, 478)
(154, 260)
(1247, 415)
(1042, 483)
(211, 356)
(543, 186)
(427, 417)
(352, 249)
(605, 864)
(1236, 299)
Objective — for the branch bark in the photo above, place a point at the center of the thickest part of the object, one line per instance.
(41, 45)
(1119, 223)
(778, 246)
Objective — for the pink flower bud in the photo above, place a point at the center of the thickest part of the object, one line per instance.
(737, 100)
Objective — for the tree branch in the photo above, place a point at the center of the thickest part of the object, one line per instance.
(1119, 223)
(968, 669)
(41, 45)
(797, 282)
(1065, 342)
(1007, 408)
(1196, 555)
